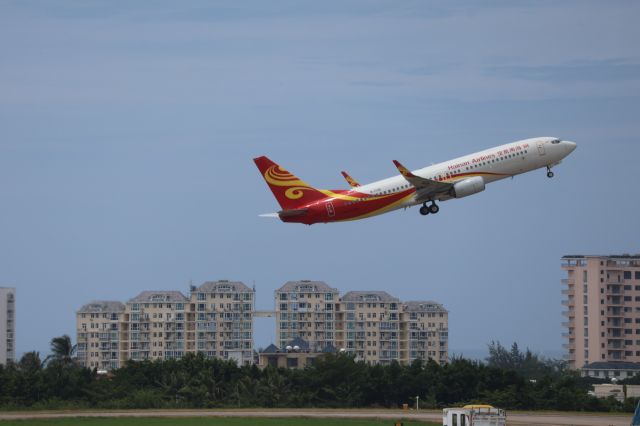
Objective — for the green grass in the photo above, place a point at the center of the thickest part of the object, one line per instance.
(206, 421)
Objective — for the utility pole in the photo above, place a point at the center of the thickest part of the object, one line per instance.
(417, 403)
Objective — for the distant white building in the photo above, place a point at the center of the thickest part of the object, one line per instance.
(610, 370)
(7, 324)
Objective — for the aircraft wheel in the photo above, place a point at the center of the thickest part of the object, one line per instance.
(549, 174)
(424, 210)
(433, 208)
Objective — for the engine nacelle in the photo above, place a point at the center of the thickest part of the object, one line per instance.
(468, 187)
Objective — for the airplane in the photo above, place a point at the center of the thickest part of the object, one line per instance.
(457, 178)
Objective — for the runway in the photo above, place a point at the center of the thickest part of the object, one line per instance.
(520, 418)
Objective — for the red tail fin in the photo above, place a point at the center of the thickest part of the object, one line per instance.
(289, 190)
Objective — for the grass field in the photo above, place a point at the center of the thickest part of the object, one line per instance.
(200, 421)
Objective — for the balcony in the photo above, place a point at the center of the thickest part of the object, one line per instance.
(568, 302)
(614, 289)
(570, 313)
(615, 301)
(568, 281)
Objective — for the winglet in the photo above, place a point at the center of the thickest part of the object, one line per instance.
(351, 181)
(403, 170)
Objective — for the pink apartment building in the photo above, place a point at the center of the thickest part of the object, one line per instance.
(601, 298)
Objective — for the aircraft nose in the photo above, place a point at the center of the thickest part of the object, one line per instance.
(571, 146)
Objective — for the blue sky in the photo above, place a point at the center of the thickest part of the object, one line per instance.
(128, 132)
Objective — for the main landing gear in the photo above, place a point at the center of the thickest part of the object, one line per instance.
(549, 172)
(432, 208)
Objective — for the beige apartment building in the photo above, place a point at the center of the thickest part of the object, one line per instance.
(98, 334)
(369, 326)
(157, 325)
(374, 326)
(224, 320)
(602, 309)
(217, 320)
(7, 324)
(425, 329)
(306, 309)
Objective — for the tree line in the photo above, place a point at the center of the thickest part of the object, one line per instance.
(508, 379)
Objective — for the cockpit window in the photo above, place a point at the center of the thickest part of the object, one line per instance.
(555, 141)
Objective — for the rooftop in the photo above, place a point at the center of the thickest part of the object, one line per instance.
(271, 349)
(223, 286)
(159, 296)
(423, 306)
(102, 306)
(306, 286)
(612, 365)
(608, 256)
(368, 296)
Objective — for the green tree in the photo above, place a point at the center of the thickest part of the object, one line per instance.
(62, 349)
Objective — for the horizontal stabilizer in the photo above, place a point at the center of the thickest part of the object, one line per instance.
(294, 212)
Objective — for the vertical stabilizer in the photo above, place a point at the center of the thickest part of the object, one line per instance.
(289, 190)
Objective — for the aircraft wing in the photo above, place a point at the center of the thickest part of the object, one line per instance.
(352, 182)
(426, 189)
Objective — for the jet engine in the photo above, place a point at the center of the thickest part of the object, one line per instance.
(468, 187)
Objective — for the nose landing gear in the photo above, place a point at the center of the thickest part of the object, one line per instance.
(549, 172)
(432, 208)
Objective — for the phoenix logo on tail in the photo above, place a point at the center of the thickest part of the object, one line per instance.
(458, 178)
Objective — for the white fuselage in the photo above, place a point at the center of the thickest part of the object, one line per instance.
(492, 164)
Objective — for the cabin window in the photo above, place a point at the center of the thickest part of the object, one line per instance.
(454, 420)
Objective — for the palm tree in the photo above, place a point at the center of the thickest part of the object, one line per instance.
(62, 349)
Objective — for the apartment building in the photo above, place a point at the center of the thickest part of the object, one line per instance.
(224, 320)
(602, 309)
(216, 319)
(369, 326)
(7, 324)
(306, 309)
(98, 334)
(157, 325)
(372, 325)
(425, 328)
